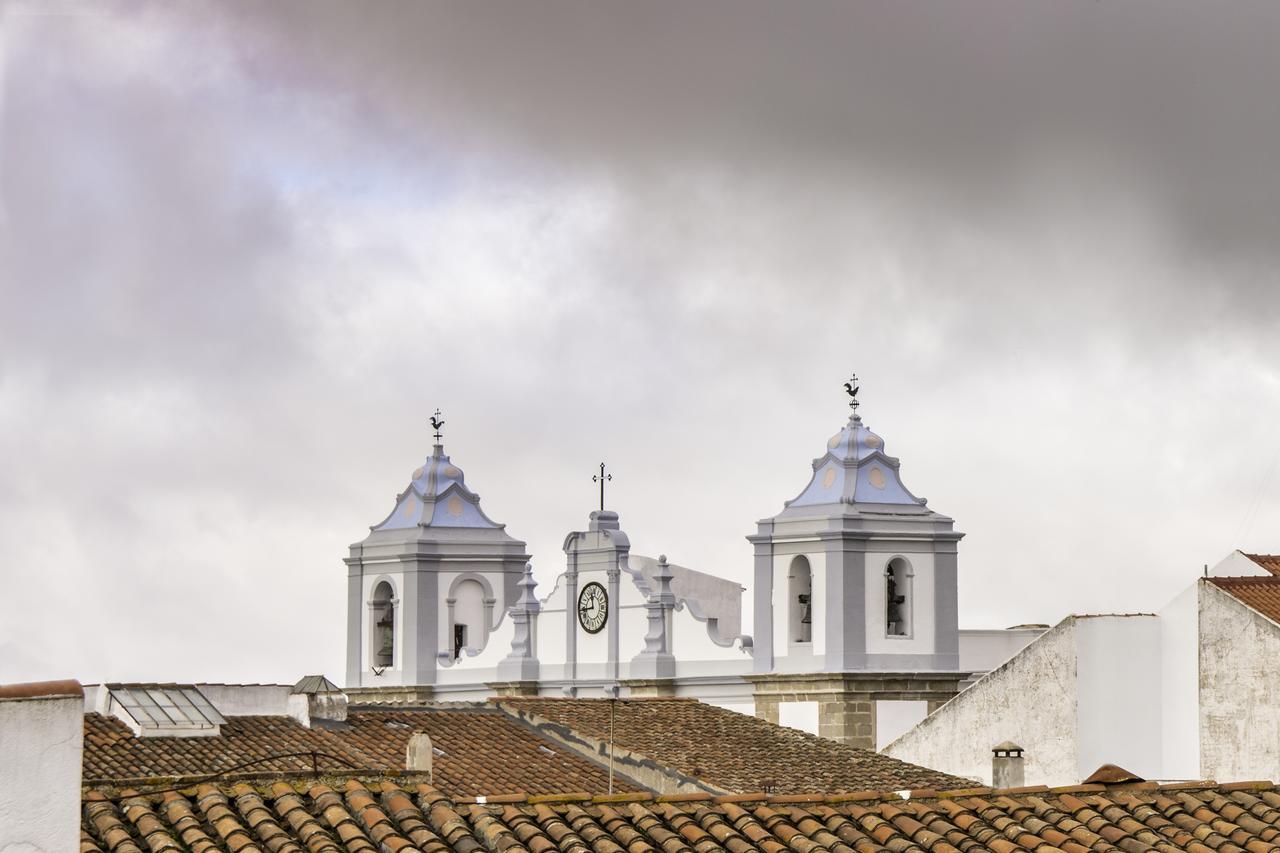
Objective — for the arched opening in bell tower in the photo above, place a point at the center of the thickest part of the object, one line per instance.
(800, 601)
(897, 597)
(469, 630)
(383, 625)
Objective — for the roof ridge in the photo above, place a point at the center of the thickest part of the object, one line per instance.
(400, 779)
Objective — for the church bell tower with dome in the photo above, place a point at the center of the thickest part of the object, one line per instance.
(428, 584)
(855, 595)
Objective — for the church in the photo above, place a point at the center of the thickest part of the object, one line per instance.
(854, 623)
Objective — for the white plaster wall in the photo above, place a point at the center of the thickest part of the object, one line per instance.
(41, 743)
(695, 651)
(1030, 700)
(239, 700)
(921, 641)
(1180, 686)
(480, 667)
(799, 715)
(983, 650)
(895, 717)
(1236, 565)
(1118, 688)
(1239, 689)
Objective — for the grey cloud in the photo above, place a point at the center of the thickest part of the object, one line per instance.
(249, 247)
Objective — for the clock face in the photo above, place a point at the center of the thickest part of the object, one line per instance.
(593, 608)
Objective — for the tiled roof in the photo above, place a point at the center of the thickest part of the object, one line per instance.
(112, 752)
(402, 817)
(484, 751)
(731, 751)
(1260, 593)
(1270, 562)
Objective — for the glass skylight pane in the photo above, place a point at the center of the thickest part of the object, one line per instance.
(165, 706)
(190, 713)
(146, 712)
(203, 705)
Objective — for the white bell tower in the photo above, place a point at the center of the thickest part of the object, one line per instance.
(855, 591)
(429, 583)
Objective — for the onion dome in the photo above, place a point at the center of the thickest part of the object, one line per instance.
(437, 496)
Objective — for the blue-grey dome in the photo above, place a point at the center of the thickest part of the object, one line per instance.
(855, 470)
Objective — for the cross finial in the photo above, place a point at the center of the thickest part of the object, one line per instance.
(436, 423)
(851, 388)
(601, 478)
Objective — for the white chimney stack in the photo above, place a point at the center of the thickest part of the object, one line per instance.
(41, 742)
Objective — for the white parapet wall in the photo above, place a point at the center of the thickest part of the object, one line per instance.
(41, 743)
(1030, 700)
(1086, 693)
(1239, 680)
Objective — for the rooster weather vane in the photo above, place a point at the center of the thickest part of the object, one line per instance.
(851, 388)
(436, 423)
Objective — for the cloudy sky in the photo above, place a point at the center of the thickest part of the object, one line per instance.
(247, 249)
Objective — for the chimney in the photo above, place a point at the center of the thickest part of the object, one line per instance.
(317, 699)
(419, 754)
(1006, 766)
(41, 743)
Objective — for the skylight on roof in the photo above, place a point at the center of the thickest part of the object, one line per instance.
(165, 709)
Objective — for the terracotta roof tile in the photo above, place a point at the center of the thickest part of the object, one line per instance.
(734, 752)
(1260, 593)
(1270, 562)
(484, 751)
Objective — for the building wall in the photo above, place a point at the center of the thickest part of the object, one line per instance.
(238, 700)
(1239, 661)
(1180, 686)
(41, 743)
(982, 650)
(1030, 700)
(1118, 689)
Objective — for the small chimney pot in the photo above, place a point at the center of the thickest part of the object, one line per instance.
(1007, 769)
(418, 755)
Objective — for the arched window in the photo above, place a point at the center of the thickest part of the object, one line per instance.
(383, 607)
(800, 601)
(469, 629)
(897, 598)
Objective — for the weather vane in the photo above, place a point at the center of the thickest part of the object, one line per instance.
(601, 478)
(851, 388)
(436, 423)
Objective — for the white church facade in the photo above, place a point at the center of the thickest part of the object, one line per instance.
(854, 606)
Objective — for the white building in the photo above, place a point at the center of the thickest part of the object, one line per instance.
(1191, 691)
(855, 637)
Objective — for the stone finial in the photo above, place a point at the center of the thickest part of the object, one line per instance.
(663, 578)
(656, 659)
(528, 602)
(522, 663)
